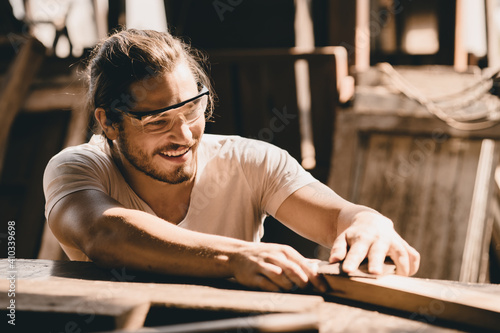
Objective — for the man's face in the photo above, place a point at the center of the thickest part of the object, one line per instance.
(167, 154)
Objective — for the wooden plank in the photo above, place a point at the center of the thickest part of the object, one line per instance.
(460, 61)
(337, 317)
(15, 87)
(477, 235)
(187, 297)
(362, 36)
(492, 34)
(85, 278)
(477, 307)
(126, 313)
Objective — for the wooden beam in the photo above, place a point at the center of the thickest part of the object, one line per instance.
(304, 38)
(423, 298)
(492, 34)
(362, 36)
(342, 26)
(126, 313)
(15, 87)
(53, 98)
(479, 225)
(460, 62)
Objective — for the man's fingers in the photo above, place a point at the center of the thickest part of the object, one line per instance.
(414, 259)
(293, 273)
(357, 253)
(300, 270)
(274, 272)
(399, 255)
(376, 257)
(262, 282)
(339, 249)
(311, 269)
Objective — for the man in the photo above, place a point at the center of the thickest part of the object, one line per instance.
(153, 193)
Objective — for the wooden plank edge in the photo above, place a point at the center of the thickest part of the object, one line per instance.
(127, 313)
(420, 298)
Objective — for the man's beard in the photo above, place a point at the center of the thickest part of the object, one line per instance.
(142, 162)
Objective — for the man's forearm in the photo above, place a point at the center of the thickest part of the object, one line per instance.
(124, 237)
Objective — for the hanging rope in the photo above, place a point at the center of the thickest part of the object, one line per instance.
(473, 108)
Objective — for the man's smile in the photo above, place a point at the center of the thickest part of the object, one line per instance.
(175, 153)
(179, 155)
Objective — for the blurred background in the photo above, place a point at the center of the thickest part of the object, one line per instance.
(416, 138)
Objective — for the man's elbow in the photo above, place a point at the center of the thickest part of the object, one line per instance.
(102, 245)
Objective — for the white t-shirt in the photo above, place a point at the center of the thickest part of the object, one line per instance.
(238, 183)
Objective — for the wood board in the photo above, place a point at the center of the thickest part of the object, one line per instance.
(445, 300)
(93, 298)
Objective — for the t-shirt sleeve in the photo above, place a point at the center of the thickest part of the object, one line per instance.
(273, 174)
(73, 170)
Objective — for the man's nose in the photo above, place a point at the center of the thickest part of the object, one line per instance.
(180, 129)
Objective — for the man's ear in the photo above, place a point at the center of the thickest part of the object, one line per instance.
(110, 130)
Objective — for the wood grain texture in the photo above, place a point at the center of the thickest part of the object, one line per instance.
(66, 291)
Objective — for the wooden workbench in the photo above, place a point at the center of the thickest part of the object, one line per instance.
(63, 296)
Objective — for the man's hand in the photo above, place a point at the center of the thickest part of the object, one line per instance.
(371, 235)
(275, 267)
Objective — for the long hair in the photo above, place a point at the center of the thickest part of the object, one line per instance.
(133, 55)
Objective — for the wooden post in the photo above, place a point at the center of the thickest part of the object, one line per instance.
(304, 39)
(493, 36)
(460, 60)
(362, 38)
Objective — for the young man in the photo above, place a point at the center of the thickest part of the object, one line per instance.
(154, 193)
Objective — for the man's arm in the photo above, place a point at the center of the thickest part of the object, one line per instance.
(354, 232)
(112, 236)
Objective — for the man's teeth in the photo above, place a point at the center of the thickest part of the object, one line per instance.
(175, 153)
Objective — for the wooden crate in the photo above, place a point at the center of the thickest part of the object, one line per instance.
(435, 182)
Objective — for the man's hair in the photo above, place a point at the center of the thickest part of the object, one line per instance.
(133, 55)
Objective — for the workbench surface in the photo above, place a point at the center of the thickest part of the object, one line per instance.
(69, 296)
